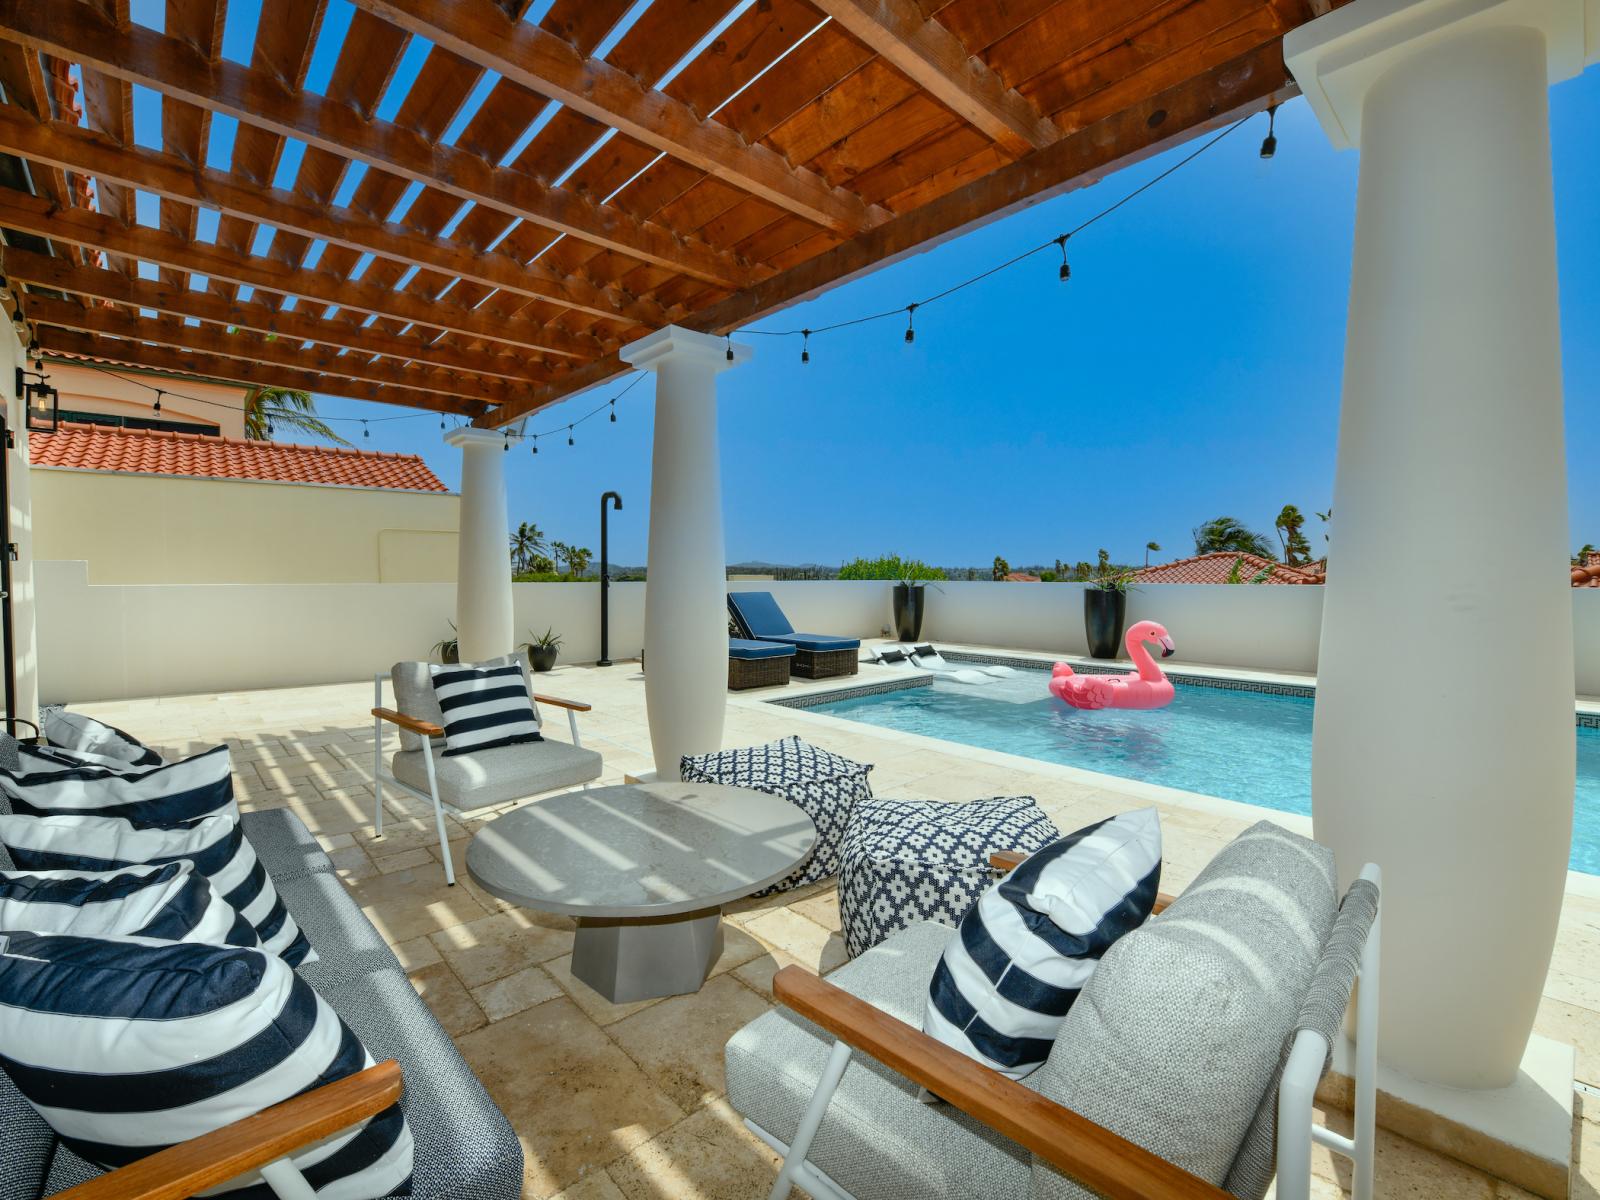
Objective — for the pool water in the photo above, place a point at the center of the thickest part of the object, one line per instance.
(1254, 747)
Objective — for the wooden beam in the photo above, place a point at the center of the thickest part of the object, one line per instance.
(296, 327)
(85, 228)
(1208, 101)
(90, 153)
(935, 60)
(187, 364)
(270, 352)
(480, 31)
(74, 31)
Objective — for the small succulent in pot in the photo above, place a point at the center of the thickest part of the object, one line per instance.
(447, 650)
(543, 650)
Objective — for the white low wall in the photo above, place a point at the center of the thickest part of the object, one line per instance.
(115, 641)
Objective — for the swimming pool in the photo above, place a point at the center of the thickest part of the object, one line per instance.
(1254, 747)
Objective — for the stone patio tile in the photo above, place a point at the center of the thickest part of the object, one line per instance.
(405, 859)
(416, 953)
(758, 972)
(576, 1100)
(709, 1156)
(679, 1041)
(414, 902)
(814, 947)
(593, 1005)
(596, 1186)
(493, 947)
(823, 909)
(451, 1003)
(511, 995)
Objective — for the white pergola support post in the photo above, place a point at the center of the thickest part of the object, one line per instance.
(483, 575)
(24, 638)
(686, 616)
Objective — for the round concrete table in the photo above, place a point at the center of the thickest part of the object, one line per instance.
(645, 869)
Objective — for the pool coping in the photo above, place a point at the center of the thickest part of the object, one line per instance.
(1578, 882)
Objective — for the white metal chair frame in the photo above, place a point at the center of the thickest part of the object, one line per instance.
(1297, 1128)
(432, 794)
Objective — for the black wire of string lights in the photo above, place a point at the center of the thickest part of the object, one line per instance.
(1064, 272)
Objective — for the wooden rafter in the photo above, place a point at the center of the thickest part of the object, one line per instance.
(268, 352)
(69, 28)
(84, 228)
(1219, 97)
(189, 364)
(186, 128)
(60, 275)
(934, 58)
(480, 30)
(80, 150)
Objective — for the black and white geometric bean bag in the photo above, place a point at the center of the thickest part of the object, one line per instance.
(907, 861)
(825, 786)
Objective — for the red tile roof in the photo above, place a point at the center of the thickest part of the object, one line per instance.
(1021, 577)
(1215, 568)
(111, 448)
(1588, 575)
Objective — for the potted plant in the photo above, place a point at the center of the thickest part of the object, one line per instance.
(543, 650)
(448, 651)
(1105, 608)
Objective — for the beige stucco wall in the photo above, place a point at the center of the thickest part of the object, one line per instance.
(177, 530)
(84, 389)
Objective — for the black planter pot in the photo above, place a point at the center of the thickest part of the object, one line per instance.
(908, 606)
(542, 658)
(1103, 615)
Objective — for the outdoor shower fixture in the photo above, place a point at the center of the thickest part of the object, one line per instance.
(605, 578)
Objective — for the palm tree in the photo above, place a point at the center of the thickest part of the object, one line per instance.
(562, 553)
(1229, 533)
(1581, 558)
(578, 560)
(1149, 549)
(1296, 550)
(267, 407)
(527, 541)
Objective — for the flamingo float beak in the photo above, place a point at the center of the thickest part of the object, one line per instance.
(1167, 648)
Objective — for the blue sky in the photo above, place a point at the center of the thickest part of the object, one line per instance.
(1190, 368)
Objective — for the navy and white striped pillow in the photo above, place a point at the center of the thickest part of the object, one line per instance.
(173, 902)
(484, 706)
(128, 1045)
(1028, 946)
(216, 845)
(74, 731)
(50, 781)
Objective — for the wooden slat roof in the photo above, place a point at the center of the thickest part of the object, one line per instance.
(537, 194)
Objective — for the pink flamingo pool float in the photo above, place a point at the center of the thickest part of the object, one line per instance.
(1147, 687)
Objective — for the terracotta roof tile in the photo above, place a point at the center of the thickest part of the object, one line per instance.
(157, 452)
(1215, 568)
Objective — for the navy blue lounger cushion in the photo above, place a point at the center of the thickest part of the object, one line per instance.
(1028, 946)
(51, 781)
(818, 643)
(216, 845)
(173, 902)
(128, 1045)
(745, 649)
(759, 615)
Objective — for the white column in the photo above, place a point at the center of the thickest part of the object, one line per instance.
(483, 573)
(686, 612)
(1443, 746)
(24, 642)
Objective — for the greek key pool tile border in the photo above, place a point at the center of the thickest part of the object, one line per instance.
(813, 699)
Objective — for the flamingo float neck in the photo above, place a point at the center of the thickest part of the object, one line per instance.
(1148, 670)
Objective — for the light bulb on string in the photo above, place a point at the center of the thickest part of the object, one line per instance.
(156, 408)
(805, 345)
(441, 423)
(1269, 144)
(570, 442)
(911, 332)
(1065, 273)
(613, 410)
(507, 444)
(730, 347)
(365, 431)
(536, 443)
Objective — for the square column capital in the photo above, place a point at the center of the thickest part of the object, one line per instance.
(677, 344)
(1337, 57)
(469, 436)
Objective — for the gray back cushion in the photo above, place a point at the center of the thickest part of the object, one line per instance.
(414, 696)
(1177, 1036)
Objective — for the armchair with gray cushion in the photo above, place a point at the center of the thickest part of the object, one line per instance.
(1185, 1070)
(467, 783)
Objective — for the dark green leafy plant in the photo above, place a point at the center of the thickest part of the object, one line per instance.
(1230, 533)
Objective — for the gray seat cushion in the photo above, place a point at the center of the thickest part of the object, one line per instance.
(286, 848)
(1177, 1036)
(485, 777)
(28, 1144)
(878, 1140)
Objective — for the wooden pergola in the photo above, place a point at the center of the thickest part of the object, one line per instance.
(713, 164)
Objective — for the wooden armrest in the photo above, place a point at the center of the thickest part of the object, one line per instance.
(1010, 860)
(1103, 1161)
(425, 728)
(223, 1154)
(574, 705)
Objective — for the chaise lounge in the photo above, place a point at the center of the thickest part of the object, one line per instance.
(816, 655)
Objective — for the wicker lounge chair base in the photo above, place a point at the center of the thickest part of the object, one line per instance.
(746, 673)
(826, 664)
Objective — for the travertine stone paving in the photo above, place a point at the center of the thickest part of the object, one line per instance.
(625, 1102)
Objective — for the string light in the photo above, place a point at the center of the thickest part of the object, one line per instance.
(536, 443)
(1269, 144)
(911, 332)
(805, 345)
(570, 442)
(507, 443)
(156, 407)
(365, 432)
(1066, 268)
(613, 411)
(730, 354)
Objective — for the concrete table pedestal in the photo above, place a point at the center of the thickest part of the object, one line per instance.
(645, 869)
